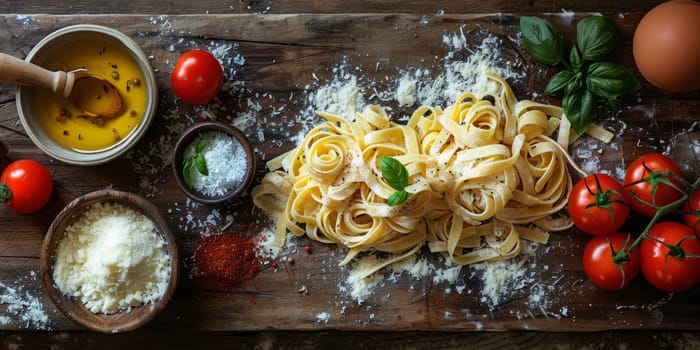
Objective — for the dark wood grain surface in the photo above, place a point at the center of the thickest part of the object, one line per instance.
(321, 6)
(287, 46)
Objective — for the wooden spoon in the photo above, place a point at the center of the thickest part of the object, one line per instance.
(92, 95)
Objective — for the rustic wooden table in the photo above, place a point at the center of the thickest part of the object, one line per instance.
(275, 53)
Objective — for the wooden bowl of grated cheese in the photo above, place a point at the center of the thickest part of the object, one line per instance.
(109, 261)
(213, 162)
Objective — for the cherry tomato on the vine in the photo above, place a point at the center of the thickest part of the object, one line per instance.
(691, 212)
(641, 191)
(197, 77)
(670, 257)
(600, 265)
(26, 186)
(597, 204)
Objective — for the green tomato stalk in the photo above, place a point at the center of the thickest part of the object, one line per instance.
(654, 178)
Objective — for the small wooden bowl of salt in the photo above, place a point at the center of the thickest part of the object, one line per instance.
(109, 262)
(213, 162)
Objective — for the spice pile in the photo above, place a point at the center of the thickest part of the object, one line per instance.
(227, 261)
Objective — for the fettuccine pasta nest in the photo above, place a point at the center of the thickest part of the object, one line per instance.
(483, 174)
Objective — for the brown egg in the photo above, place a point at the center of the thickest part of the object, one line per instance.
(666, 46)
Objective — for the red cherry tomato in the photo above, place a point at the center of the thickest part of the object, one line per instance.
(26, 186)
(671, 269)
(597, 204)
(600, 267)
(691, 212)
(641, 192)
(197, 77)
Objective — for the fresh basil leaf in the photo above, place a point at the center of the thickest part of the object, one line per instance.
(542, 40)
(558, 82)
(596, 37)
(203, 143)
(186, 167)
(610, 80)
(397, 198)
(575, 58)
(394, 173)
(615, 102)
(574, 84)
(201, 164)
(579, 107)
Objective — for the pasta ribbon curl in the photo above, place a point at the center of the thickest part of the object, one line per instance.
(484, 174)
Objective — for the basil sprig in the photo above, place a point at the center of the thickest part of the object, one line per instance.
(586, 76)
(196, 160)
(396, 176)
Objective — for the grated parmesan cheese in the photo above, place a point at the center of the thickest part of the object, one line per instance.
(322, 317)
(499, 276)
(112, 258)
(341, 95)
(357, 286)
(405, 92)
(460, 74)
(22, 306)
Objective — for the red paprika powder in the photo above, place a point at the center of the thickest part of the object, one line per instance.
(225, 262)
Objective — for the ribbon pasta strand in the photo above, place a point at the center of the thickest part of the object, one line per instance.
(484, 173)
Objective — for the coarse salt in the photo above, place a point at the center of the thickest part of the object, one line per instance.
(226, 164)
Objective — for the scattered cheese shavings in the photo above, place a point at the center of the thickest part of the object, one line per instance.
(23, 307)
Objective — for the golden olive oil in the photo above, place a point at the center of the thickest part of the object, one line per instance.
(71, 128)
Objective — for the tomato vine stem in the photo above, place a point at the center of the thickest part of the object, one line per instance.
(623, 254)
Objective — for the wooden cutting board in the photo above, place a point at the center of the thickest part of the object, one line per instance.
(285, 58)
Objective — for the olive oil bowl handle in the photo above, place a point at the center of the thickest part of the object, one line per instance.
(16, 71)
